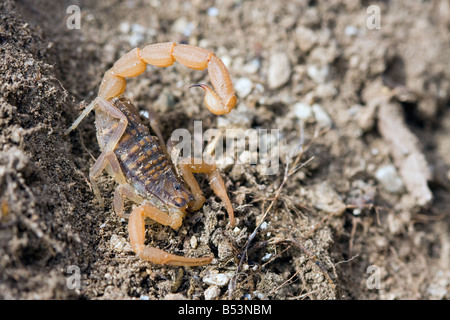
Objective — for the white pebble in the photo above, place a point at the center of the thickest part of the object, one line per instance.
(319, 75)
(267, 257)
(388, 177)
(194, 242)
(279, 70)
(252, 67)
(124, 27)
(243, 87)
(322, 118)
(306, 38)
(302, 110)
(219, 279)
(118, 243)
(260, 295)
(351, 31)
(212, 293)
(226, 60)
(144, 113)
(212, 12)
(326, 90)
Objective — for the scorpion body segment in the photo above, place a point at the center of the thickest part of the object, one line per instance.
(142, 159)
(138, 160)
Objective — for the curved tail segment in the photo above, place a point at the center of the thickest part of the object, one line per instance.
(219, 101)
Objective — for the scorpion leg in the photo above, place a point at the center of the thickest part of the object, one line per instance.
(127, 191)
(107, 158)
(187, 167)
(136, 229)
(83, 115)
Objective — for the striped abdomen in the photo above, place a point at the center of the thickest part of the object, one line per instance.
(144, 162)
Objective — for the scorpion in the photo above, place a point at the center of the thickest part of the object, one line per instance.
(139, 162)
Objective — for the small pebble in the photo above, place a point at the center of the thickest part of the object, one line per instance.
(144, 113)
(279, 70)
(302, 110)
(351, 31)
(119, 244)
(326, 90)
(212, 293)
(212, 12)
(243, 87)
(219, 279)
(260, 295)
(194, 242)
(306, 38)
(252, 67)
(124, 27)
(226, 60)
(319, 75)
(267, 257)
(322, 118)
(389, 178)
